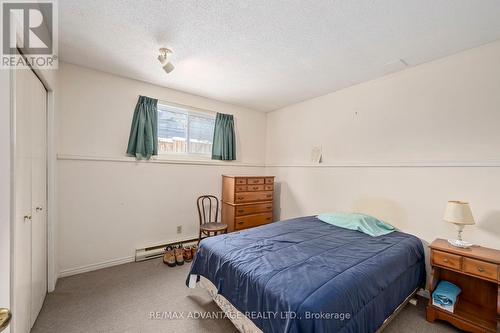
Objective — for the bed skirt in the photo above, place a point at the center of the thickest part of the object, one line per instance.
(245, 325)
(239, 320)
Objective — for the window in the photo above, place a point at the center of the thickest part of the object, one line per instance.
(183, 131)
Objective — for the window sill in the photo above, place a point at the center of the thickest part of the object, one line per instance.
(161, 159)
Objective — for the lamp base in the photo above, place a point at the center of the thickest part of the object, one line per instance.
(460, 243)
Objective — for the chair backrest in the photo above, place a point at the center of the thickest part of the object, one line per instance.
(206, 205)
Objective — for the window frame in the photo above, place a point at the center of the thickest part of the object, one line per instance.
(189, 110)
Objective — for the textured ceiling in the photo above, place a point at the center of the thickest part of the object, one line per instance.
(266, 54)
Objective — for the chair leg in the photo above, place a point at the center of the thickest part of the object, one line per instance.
(199, 237)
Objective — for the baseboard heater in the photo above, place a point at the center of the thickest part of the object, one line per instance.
(158, 250)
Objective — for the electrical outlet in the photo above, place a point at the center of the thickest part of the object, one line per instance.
(179, 229)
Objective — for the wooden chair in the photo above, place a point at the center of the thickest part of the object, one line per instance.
(208, 225)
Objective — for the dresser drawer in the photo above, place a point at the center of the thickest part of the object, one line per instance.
(255, 208)
(269, 180)
(446, 259)
(241, 181)
(268, 187)
(240, 188)
(249, 221)
(253, 196)
(480, 268)
(255, 181)
(255, 187)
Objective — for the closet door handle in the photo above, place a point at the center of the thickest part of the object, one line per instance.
(39, 208)
(27, 217)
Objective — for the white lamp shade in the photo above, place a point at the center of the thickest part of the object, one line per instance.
(458, 212)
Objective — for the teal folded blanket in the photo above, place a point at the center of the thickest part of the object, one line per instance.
(446, 293)
(356, 221)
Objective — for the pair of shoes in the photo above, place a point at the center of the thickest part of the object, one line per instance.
(177, 255)
(169, 257)
(189, 252)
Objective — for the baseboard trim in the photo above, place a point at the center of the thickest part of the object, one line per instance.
(93, 267)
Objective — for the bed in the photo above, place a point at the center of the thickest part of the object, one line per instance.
(304, 275)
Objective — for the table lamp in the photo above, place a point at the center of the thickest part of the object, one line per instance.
(459, 213)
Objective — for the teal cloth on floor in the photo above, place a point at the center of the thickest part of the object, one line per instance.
(355, 221)
(446, 293)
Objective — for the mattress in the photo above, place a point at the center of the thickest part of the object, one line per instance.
(304, 275)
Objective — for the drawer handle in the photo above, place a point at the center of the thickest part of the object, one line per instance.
(241, 222)
(269, 207)
(255, 187)
(445, 260)
(480, 269)
(268, 218)
(241, 211)
(241, 198)
(268, 196)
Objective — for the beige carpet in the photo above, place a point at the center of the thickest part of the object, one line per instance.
(121, 299)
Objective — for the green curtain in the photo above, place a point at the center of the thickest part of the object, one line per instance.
(143, 140)
(224, 144)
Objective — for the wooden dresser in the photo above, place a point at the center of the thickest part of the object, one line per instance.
(476, 271)
(247, 201)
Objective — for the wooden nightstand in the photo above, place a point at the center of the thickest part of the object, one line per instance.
(476, 271)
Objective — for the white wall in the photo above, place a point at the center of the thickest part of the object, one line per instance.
(399, 147)
(110, 205)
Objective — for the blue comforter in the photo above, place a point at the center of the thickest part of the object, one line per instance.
(304, 275)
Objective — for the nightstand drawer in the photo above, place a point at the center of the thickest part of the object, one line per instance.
(446, 259)
(480, 268)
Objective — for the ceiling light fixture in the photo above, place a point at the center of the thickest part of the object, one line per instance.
(163, 58)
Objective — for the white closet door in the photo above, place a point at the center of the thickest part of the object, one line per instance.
(30, 230)
(22, 229)
(38, 196)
